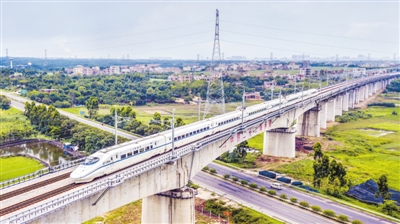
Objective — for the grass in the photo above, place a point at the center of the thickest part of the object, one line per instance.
(13, 119)
(257, 142)
(189, 113)
(132, 213)
(12, 167)
(365, 156)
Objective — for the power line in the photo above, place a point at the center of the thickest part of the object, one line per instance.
(120, 36)
(319, 34)
(302, 42)
(144, 42)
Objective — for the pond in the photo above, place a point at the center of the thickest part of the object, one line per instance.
(49, 153)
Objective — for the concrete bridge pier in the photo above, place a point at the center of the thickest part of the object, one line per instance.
(339, 105)
(352, 99)
(280, 142)
(174, 206)
(366, 92)
(309, 124)
(331, 110)
(346, 102)
(323, 114)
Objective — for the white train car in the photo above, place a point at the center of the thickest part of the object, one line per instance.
(111, 159)
(115, 158)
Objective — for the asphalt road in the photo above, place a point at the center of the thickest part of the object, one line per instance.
(311, 199)
(16, 102)
(264, 204)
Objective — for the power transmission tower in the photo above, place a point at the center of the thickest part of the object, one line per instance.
(215, 90)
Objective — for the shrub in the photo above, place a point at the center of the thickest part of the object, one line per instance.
(294, 200)
(226, 176)
(213, 171)
(253, 185)
(194, 186)
(343, 218)
(235, 179)
(263, 189)
(394, 112)
(304, 204)
(283, 196)
(243, 182)
(206, 168)
(316, 208)
(356, 222)
(272, 192)
(381, 104)
(329, 213)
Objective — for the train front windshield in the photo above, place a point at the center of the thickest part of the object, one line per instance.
(90, 160)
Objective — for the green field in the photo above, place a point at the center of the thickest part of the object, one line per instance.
(189, 113)
(257, 142)
(370, 148)
(13, 119)
(13, 167)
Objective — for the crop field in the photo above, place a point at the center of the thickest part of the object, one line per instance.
(12, 167)
(13, 119)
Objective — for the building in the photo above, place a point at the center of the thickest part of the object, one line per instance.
(115, 70)
(48, 90)
(268, 85)
(357, 72)
(292, 66)
(253, 96)
(306, 71)
(181, 78)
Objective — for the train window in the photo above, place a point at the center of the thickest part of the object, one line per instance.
(116, 156)
(179, 138)
(186, 135)
(147, 148)
(130, 154)
(151, 147)
(135, 152)
(174, 139)
(142, 150)
(90, 160)
(123, 156)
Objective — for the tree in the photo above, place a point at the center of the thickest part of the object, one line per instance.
(383, 188)
(92, 105)
(179, 122)
(4, 102)
(389, 207)
(317, 151)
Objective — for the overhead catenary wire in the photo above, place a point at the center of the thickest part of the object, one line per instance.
(303, 42)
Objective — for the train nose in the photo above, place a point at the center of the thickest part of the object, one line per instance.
(75, 174)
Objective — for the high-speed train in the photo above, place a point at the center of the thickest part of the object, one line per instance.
(114, 158)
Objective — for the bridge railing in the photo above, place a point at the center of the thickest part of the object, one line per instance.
(40, 173)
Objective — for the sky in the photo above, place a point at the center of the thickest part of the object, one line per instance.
(184, 29)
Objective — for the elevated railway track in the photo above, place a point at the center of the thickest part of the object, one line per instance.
(25, 208)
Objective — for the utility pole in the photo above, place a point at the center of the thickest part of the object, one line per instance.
(198, 112)
(173, 135)
(116, 125)
(215, 89)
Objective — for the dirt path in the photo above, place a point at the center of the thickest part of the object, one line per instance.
(365, 103)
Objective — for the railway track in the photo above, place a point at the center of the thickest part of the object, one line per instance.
(37, 199)
(34, 186)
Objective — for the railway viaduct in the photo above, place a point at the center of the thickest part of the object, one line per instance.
(162, 183)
